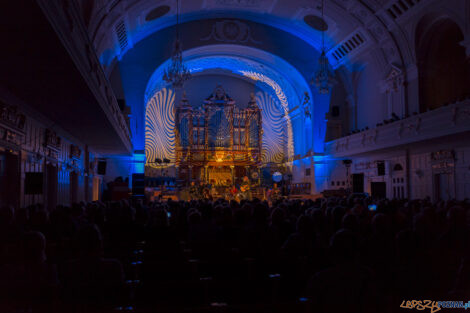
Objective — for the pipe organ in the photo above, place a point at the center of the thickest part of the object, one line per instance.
(218, 141)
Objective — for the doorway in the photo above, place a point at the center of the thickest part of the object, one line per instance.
(9, 179)
(358, 183)
(442, 187)
(51, 181)
(378, 190)
(73, 187)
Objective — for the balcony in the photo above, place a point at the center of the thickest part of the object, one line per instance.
(449, 120)
(50, 65)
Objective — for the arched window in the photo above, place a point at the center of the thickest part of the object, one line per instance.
(397, 167)
(444, 73)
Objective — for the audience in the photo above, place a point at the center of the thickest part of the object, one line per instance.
(327, 255)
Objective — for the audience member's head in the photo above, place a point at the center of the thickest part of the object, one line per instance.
(34, 247)
(343, 246)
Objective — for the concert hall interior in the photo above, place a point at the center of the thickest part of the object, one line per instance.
(234, 155)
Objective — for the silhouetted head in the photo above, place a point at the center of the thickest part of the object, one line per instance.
(34, 247)
(305, 225)
(344, 246)
(350, 222)
(7, 215)
(90, 241)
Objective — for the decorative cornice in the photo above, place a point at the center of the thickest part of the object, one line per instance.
(393, 81)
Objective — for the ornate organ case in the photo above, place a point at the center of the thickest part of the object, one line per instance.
(217, 137)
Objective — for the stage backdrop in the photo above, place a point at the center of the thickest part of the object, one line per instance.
(160, 123)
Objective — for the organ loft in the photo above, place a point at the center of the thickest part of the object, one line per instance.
(218, 142)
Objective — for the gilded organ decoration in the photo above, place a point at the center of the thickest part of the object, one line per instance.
(218, 135)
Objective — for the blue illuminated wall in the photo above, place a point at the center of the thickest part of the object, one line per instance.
(139, 63)
(280, 97)
(279, 69)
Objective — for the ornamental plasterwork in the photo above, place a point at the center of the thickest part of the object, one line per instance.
(342, 145)
(410, 127)
(394, 80)
(369, 138)
(262, 5)
(463, 112)
(231, 31)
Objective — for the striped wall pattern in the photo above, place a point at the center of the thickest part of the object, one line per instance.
(159, 127)
(160, 137)
(274, 138)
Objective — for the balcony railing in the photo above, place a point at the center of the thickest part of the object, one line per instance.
(444, 121)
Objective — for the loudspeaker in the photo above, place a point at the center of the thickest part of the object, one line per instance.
(358, 183)
(381, 168)
(335, 111)
(138, 184)
(102, 167)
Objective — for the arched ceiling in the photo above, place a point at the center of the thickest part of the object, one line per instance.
(244, 62)
(118, 25)
(285, 15)
(127, 40)
(293, 60)
(270, 73)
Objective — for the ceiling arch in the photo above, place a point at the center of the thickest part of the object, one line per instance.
(270, 73)
(286, 16)
(238, 60)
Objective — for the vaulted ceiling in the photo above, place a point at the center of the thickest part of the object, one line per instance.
(116, 26)
(133, 38)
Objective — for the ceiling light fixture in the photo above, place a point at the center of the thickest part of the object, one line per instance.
(177, 72)
(324, 77)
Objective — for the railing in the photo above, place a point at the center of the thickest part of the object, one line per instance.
(447, 120)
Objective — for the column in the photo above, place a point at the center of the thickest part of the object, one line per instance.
(190, 174)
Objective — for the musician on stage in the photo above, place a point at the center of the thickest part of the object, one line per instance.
(275, 193)
(245, 188)
(193, 191)
(233, 193)
(200, 190)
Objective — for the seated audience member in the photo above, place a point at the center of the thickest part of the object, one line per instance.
(32, 283)
(347, 286)
(91, 279)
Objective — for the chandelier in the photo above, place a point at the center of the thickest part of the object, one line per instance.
(323, 78)
(177, 72)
